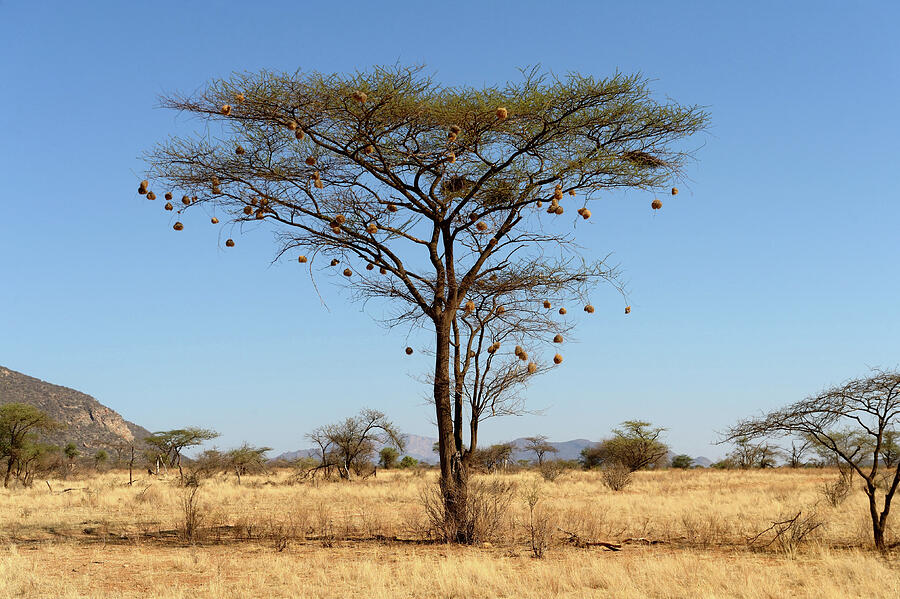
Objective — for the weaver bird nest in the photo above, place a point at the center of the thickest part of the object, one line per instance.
(292, 125)
(142, 188)
(558, 338)
(214, 220)
(301, 259)
(151, 195)
(493, 347)
(348, 272)
(168, 195)
(239, 97)
(409, 351)
(382, 270)
(627, 309)
(372, 228)
(229, 243)
(470, 306)
(656, 204)
(557, 359)
(299, 134)
(502, 113)
(169, 206)
(360, 96)
(532, 368)
(186, 200)
(239, 150)
(335, 261)
(674, 191)
(547, 304)
(370, 149)
(589, 309)
(311, 160)
(178, 226)
(248, 210)
(225, 109)
(481, 226)
(500, 309)
(370, 266)
(562, 311)
(392, 207)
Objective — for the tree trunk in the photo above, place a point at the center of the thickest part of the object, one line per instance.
(877, 525)
(453, 479)
(9, 467)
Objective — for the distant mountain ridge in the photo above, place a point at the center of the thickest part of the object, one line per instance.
(88, 423)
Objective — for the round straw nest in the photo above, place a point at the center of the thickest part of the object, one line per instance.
(589, 309)
(571, 192)
(547, 304)
(502, 113)
(301, 259)
(261, 213)
(558, 338)
(559, 210)
(451, 157)
(501, 309)
(340, 219)
(311, 160)
(455, 130)
(370, 266)
(562, 311)
(239, 97)
(493, 277)
(369, 149)
(348, 272)
(481, 226)
(299, 134)
(335, 261)
(168, 195)
(371, 228)
(292, 125)
(409, 351)
(469, 306)
(336, 230)
(392, 207)
(186, 200)
(229, 243)
(169, 206)
(248, 210)
(656, 204)
(532, 368)
(523, 356)
(360, 96)
(558, 193)
(318, 184)
(627, 309)
(178, 226)
(585, 214)
(493, 347)
(142, 188)
(674, 191)
(214, 220)
(151, 195)
(451, 137)
(518, 350)
(239, 150)
(225, 109)
(217, 189)
(557, 359)
(382, 270)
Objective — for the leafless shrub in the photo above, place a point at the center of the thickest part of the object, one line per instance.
(837, 491)
(551, 470)
(325, 527)
(539, 525)
(487, 504)
(788, 533)
(192, 513)
(616, 476)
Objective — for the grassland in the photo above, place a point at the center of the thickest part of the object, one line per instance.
(682, 534)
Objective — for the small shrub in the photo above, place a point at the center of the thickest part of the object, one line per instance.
(616, 476)
(539, 526)
(192, 514)
(552, 470)
(487, 504)
(836, 492)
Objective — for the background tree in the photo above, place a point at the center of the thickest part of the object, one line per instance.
(246, 459)
(350, 444)
(495, 457)
(19, 425)
(682, 461)
(746, 455)
(849, 421)
(387, 457)
(169, 445)
(636, 445)
(408, 462)
(420, 191)
(539, 446)
(100, 458)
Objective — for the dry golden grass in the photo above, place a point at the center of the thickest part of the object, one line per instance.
(329, 539)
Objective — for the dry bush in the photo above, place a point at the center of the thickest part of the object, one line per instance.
(837, 491)
(616, 476)
(192, 513)
(788, 533)
(540, 525)
(487, 505)
(551, 470)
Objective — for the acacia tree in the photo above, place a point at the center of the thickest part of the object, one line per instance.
(245, 459)
(169, 445)
(419, 191)
(19, 425)
(348, 443)
(540, 447)
(851, 422)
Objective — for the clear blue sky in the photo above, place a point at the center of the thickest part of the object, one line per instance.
(774, 273)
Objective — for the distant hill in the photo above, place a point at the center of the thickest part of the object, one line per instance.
(88, 423)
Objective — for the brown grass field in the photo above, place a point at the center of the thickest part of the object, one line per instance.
(682, 534)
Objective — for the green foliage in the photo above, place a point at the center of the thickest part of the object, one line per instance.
(387, 457)
(634, 445)
(71, 451)
(101, 457)
(682, 461)
(246, 459)
(19, 425)
(408, 462)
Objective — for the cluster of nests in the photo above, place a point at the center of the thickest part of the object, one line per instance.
(347, 272)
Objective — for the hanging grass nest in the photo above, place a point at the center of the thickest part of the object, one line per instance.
(229, 243)
(518, 350)
(469, 307)
(239, 150)
(502, 113)
(455, 130)
(532, 368)
(348, 272)
(214, 220)
(557, 359)
(559, 210)
(151, 195)
(501, 309)
(310, 160)
(540, 203)
(627, 309)
(370, 266)
(360, 96)
(340, 219)
(169, 206)
(589, 309)
(552, 207)
(261, 213)
(292, 125)
(481, 226)
(299, 134)
(301, 259)
(336, 229)
(371, 228)
(451, 157)
(643, 159)
(248, 210)
(409, 351)
(674, 191)
(562, 311)
(253, 201)
(493, 347)
(216, 189)
(547, 304)
(558, 338)
(335, 261)
(383, 270)
(178, 226)
(239, 98)
(656, 204)
(168, 195)
(318, 183)
(451, 137)
(571, 192)
(493, 277)
(369, 149)
(523, 356)
(186, 200)
(558, 193)
(585, 214)
(392, 207)
(225, 109)
(142, 188)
